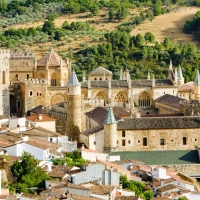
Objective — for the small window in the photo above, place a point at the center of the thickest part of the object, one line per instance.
(162, 141)
(129, 142)
(40, 94)
(68, 89)
(94, 142)
(18, 105)
(117, 142)
(27, 76)
(184, 140)
(31, 93)
(123, 143)
(145, 141)
(123, 133)
(51, 139)
(37, 93)
(100, 79)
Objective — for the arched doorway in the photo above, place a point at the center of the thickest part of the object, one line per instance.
(101, 95)
(12, 105)
(144, 100)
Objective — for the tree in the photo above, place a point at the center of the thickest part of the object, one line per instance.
(182, 198)
(28, 173)
(48, 27)
(3, 6)
(111, 14)
(149, 37)
(121, 13)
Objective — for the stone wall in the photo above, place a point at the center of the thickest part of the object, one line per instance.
(73, 116)
(173, 139)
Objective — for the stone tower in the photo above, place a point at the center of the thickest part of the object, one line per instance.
(110, 131)
(73, 107)
(180, 78)
(4, 82)
(197, 86)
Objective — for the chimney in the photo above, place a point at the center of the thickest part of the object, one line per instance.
(40, 117)
(82, 146)
(49, 168)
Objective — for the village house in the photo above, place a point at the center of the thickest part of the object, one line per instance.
(15, 144)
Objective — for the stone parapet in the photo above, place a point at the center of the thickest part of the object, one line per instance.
(33, 81)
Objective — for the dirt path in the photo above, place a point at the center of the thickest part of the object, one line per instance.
(169, 25)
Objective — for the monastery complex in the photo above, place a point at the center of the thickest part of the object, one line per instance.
(104, 114)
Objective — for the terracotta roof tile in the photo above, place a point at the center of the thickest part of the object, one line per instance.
(166, 188)
(113, 165)
(127, 198)
(59, 171)
(41, 132)
(52, 58)
(44, 118)
(9, 139)
(99, 189)
(100, 71)
(188, 87)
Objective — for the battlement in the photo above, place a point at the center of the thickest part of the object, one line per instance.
(96, 102)
(20, 54)
(35, 81)
(5, 53)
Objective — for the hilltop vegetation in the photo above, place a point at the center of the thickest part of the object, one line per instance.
(87, 45)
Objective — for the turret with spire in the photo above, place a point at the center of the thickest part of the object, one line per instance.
(180, 78)
(110, 131)
(197, 86)
(73, 107)
(171, 73)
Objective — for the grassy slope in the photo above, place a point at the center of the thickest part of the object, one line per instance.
(168, 25)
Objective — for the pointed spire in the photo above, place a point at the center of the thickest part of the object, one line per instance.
(110, 119)
(148, 76)
(170, 64)
(197, 78)
(153, 81)
(170, 72)
(180, 74)
(73, 80)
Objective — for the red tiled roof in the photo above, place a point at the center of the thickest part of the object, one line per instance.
(44, 118)
(188, 87)
(40, 131)
(53, 60)
(113, 165)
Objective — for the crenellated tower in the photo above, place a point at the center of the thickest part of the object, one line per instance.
(73, 107)
(110, 131)
(4, 82)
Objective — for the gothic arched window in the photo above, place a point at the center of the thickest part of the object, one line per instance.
(3, 78)
(144, 100)
(119, 97)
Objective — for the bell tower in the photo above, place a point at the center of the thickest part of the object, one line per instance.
(73, 107)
